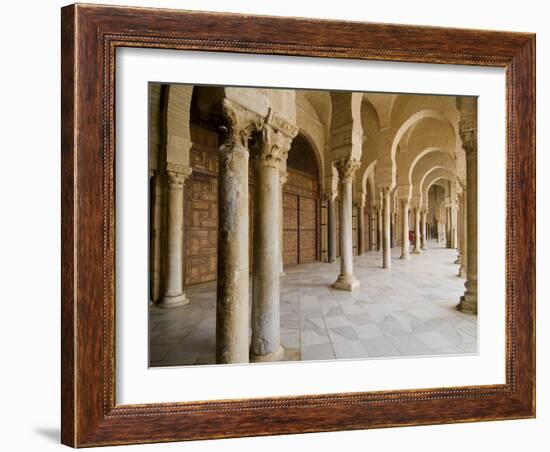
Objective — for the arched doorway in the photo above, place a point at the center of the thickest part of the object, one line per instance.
(301, 205)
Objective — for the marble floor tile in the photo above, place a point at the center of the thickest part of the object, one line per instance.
(409, 310)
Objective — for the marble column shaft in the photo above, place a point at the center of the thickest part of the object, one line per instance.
(331, 223)
(386, 241)
(270, 155)
(346, 168)
(379, 227)
(417, 231)
(404, 202)
(424, 228)
(232, 306)
(283, 177)
(173, 284)
(463, 235)
(468, 134)
(373, 218)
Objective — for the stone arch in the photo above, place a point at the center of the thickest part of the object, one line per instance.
(368, 179)
(303, 135)
(313, 129)
(410, 122)
(431, 177)
(430, 161)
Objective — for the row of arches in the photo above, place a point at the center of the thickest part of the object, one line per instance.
(355, 173)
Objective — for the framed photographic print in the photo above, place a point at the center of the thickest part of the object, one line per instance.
(281, 225)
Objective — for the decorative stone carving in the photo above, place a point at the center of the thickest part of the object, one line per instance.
(272, 149)
(346, 168)
(238, 124)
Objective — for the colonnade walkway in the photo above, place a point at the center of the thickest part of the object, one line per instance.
(409, 310)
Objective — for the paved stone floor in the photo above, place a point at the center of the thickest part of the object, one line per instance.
(409, 310)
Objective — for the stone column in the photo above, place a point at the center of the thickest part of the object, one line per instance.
(331, 220)
(417, 232)
(173, 284)
(268, 157)
(454, 232)
(463, 234)
(155, 253)
(386, 245)
(232, 306)
(424, 228)
(283, 177)
(361, 228)
(380, 228)
(468, 134)
(392, 230)
(346, 168)
(448, 228)
(404, 202)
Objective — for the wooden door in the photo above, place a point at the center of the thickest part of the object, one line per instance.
(290, 229)
(307, 226)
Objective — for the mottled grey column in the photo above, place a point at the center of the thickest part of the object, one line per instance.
(269, 156)
(468, 134)
(155, 253)
(405, 228)
(283, 177)
(361, 229)
(386, 241)
(346, 168)
(424, 228)
(173, 284)
(417, 232)
(331, 233)
(448, 228)
(379, 228)
(463, 234)
(232, 307)
(454, 232)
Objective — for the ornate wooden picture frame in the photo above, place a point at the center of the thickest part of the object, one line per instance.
(90, 37)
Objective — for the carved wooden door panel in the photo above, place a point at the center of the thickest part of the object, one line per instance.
(354, 229)
(202, 229)
(307, 225)
(290, 229)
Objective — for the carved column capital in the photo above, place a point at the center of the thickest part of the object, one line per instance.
(175, 176)
(329, 195)
(468, 135)
(238, 123)
(346, 168)
(272, 148)
(274, 141)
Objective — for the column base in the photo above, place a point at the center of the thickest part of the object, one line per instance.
(346, 282)
(405, 256)
(417, 251)
(167, 302)
(268, 357)
(424, 248)
(468, 304)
